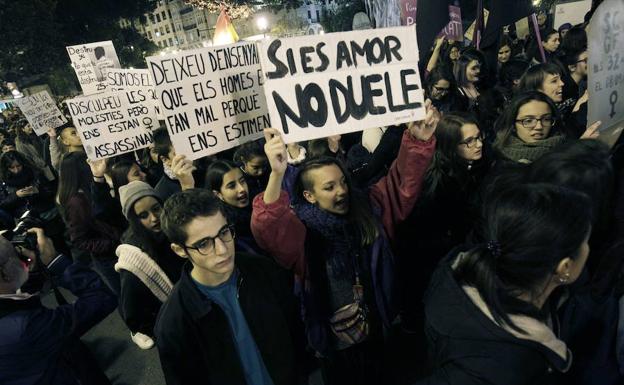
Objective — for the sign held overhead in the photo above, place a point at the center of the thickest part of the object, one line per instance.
(337, 83)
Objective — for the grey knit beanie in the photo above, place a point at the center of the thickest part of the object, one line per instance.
(132, 192)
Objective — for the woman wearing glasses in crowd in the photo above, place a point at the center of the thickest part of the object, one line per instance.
(459, 164)
(147, 266)
(526, 130)
(442, 90)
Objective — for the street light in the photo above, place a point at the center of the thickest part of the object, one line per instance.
(263, 24)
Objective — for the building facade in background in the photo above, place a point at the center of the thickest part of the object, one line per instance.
(174, 25)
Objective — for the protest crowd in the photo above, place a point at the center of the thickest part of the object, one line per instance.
(488, 231)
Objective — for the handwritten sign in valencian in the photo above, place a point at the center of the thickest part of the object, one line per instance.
(332, 84)
(606, 67)
(91, 63)
(113, 123)
(41, 112)
(211, 98)
(118, 79)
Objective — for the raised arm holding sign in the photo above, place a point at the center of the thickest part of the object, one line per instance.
(332, 84)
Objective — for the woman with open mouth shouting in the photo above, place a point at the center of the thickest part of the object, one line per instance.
(337, 241)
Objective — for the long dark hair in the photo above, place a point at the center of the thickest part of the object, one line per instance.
(9, 157)
(506, 124)
(462, 65)
(446, 161)
(215, 172)
(74, 177)
(360, 215)
(23, 137)
(148, 241)
(119, 173)
(437, 74)
(534, 227)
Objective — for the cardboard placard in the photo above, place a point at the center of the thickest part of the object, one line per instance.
(454, 30)
(113, 123)
(211, 98)
(323, 85)
(572, 12)
(118, 79)
(522, 28)
(91, 62)
(408, 12)
(41, 112)
(605, 82)
(470, 31)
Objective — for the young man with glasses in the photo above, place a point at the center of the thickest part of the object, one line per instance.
(229, 318)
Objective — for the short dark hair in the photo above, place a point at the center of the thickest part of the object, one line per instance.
(534, 77)
(181, 208)
(248, 151)
(511, 71)
(162, 142)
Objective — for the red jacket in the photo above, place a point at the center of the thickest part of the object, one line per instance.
(278, 230)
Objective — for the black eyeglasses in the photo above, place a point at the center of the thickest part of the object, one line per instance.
(472, 141)
(582, 61)
(441, 89)
(547, 121)
(206, 246)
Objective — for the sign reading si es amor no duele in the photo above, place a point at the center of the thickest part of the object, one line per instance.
(41, 112)
(91, 62)
(211, 98)
(317, 86)
(113, 123)
(606, 69)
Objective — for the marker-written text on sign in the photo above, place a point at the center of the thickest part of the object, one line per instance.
(211, 98)
(337, 83)
(113, 123)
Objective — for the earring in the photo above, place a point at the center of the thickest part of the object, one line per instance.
(563, 280)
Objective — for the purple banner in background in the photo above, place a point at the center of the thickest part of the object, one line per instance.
(454, 29)
(408, 12)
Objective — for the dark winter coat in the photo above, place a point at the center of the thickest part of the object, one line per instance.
(467, 347)
(194, 337)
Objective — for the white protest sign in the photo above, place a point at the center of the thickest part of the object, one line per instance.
(211, 98)
(41, 112)
(606, 69)
(337, 83)
(572, 12)
(113, 123)
(133, 80)
(91, 62)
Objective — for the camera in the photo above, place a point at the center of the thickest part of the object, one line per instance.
(19, 237)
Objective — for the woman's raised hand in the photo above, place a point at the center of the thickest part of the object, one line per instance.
(424, 129)
(275, 150)
(183, 169)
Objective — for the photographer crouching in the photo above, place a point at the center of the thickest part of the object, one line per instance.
(39, 345)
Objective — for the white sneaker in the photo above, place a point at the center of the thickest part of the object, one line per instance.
(143, 341)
